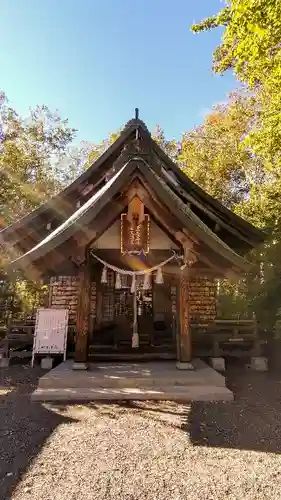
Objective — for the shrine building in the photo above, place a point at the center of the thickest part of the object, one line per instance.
(134, 248)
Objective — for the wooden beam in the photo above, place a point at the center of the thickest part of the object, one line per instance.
(201, 257)
(27, 242)
(200, 251)
(190, 272)
(148, 197)
(184, 331)
(108, 215)
(83, 312)
(166, 220)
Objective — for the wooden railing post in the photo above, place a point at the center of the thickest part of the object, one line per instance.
(184, 330)
(82, 318)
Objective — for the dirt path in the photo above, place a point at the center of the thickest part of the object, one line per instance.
(142, 450)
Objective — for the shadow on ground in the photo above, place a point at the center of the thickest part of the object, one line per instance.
(251, 422)
(24, 425)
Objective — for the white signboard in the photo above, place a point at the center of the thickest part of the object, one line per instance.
(50, 334)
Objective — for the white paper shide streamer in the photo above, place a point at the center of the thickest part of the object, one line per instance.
(118, 283)
(146, 284)
(159, 277)
(135, 340)
(146, 281)
(104, 275)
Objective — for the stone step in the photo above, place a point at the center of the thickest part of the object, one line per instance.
(80, 379)
(118, 375)
(169, 393)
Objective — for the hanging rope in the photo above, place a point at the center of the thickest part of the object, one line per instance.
(134, 273)
(146, 273)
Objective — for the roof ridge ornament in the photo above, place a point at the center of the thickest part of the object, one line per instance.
(136, 121)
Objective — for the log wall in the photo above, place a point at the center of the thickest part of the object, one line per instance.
(201, 297)
(63, 294)
(202, 300)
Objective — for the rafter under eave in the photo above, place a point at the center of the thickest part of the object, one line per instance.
(186, 218)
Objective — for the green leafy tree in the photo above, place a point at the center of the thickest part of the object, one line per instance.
(251, 47)
(30, 150)
(212, 154)
(171, 147)
(96, 150)
(73, 163)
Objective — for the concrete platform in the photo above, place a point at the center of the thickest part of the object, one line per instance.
(139, 381)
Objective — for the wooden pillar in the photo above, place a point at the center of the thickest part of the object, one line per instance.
(82, 317)
(184, 330)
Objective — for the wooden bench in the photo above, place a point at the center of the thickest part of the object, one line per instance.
(236, 338)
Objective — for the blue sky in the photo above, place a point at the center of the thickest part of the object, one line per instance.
(96, 60)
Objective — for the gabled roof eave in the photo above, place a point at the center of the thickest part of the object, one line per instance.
(80, 218)
(51, 204)
(257, 234)
(191, 221)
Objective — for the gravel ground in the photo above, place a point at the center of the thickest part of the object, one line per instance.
(141, 450)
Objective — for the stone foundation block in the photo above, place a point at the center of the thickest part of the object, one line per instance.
(218, 364)
(47, 363)
(79, 366)
(183, 365)
(259, 364)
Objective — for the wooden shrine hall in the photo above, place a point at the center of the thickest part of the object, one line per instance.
(132, 248)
